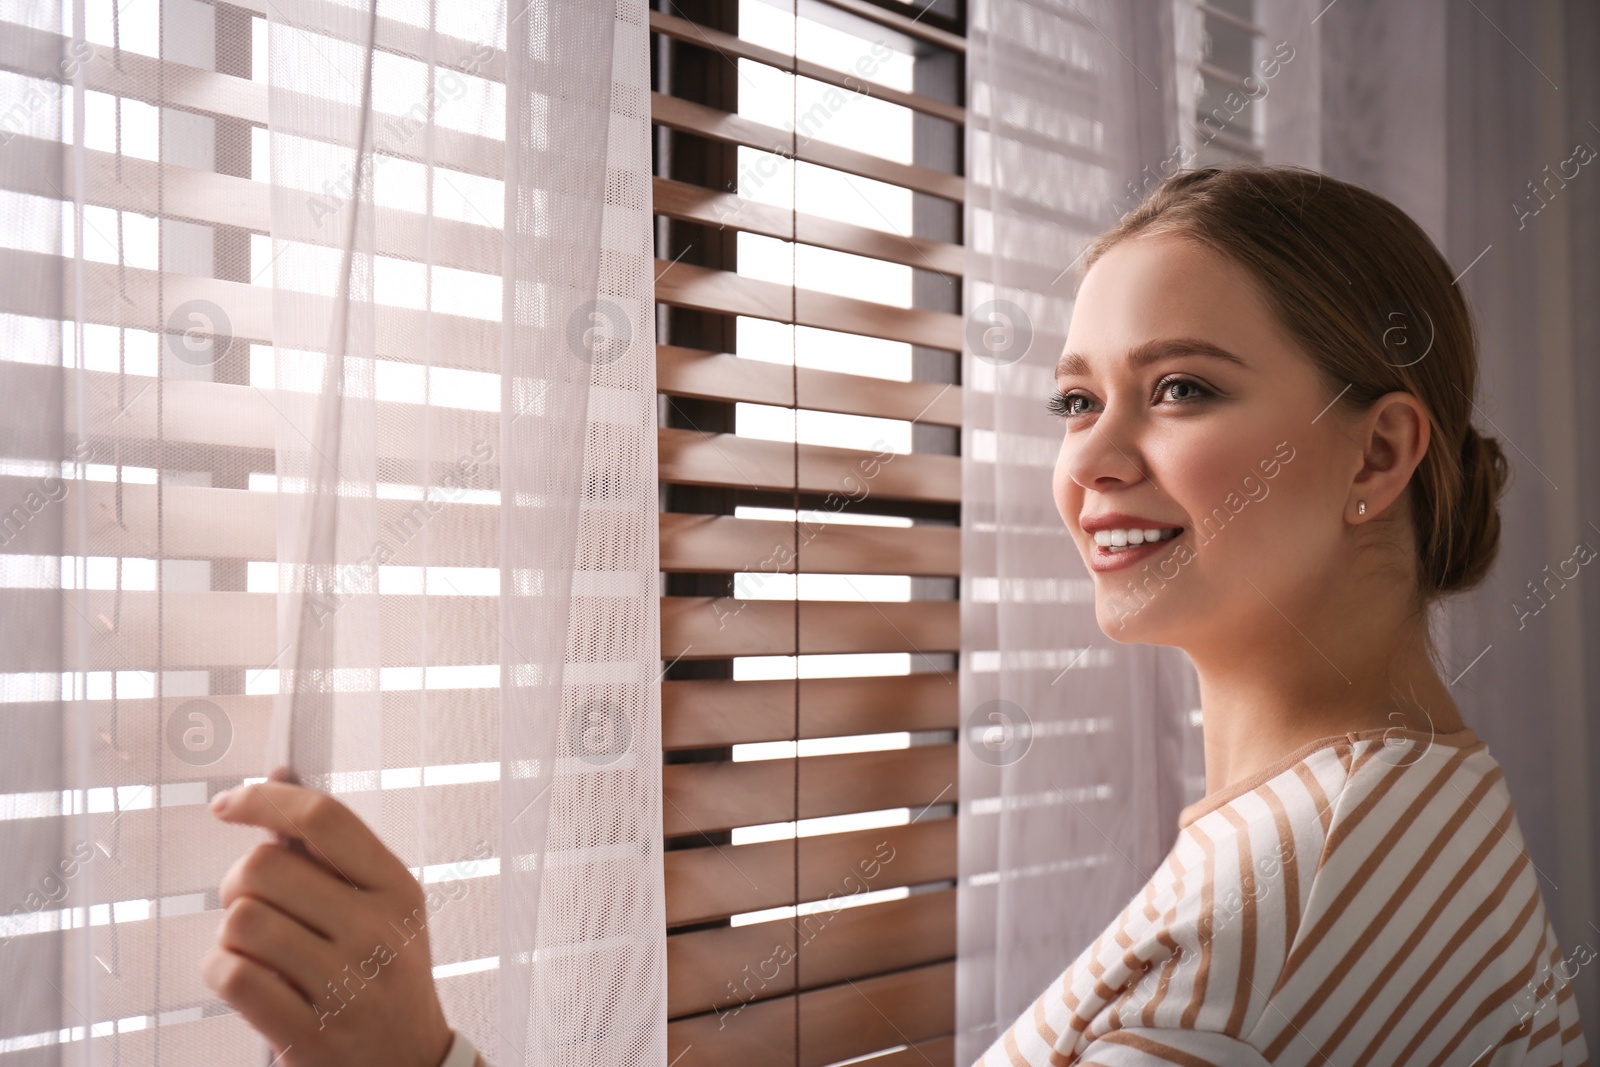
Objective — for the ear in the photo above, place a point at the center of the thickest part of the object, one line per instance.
(1394, 435)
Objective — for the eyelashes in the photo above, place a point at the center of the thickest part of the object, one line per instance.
(1063, 405)
(1060, 404)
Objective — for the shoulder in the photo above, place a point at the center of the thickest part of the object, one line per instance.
(1370, 898)
(1420, 917)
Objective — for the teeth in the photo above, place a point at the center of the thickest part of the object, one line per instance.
(1122, 540)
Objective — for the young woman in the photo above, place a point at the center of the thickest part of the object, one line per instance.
(1267, 460)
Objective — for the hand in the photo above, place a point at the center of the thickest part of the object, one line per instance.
(324, 949)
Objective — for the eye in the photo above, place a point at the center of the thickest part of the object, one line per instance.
(1172, 381)
(1062, 405)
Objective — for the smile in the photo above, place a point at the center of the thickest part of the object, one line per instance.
(1109, 556)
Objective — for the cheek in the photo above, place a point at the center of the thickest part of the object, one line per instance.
(1068, 493)
(1201, 470)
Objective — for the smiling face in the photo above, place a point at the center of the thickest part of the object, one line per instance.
(1187, 407)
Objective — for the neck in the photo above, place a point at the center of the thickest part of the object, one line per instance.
(1267, 694)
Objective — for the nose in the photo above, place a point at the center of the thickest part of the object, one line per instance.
(1105, 457)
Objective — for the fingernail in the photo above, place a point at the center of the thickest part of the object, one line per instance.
(220, 801)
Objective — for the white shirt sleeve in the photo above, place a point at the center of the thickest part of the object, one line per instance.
(462, 1054)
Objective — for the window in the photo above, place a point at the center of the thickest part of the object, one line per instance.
(809, 213)
(1225, 69)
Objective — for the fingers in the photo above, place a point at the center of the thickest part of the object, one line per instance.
(256, 930)
(266, 1001)
(307, 892)
(333, 834)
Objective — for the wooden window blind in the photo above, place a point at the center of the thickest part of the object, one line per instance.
(808, 197)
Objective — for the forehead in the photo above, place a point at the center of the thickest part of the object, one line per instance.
(1160, 286)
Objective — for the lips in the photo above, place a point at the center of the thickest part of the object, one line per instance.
(1122, 540)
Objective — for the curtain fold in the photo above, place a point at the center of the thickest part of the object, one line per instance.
(330, 443)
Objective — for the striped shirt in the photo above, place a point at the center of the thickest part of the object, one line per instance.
(1366, 900)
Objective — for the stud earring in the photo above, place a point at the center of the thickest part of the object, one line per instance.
(1361, 507)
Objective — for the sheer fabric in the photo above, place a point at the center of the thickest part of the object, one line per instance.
(328, 352)
(1080, 751)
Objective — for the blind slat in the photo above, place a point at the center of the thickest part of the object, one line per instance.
(835, 1023)
(145, 299)
(725, 376)
(730, 45)
(692, 458)
(197, 850)
(710, 712)
(717, 544)
(206, 523)
(38, 54)
(695, 203)
(701, 713)
(707, 797)
(720, 627)
(221, 628)
(706, 969)
(699, 886)
(705, 289)
(689, 117)
(464, 729)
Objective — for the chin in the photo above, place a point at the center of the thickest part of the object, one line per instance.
(1128, 621)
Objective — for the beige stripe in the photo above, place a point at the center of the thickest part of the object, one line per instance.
(1013, 1053)
(1553, 957)
(1068, 996)
(1148, 1015)
(1249, 923)
(1207, 907)
(1364, 758)
(1450, 999)
(1385, 912)
(1325, 921)
(1290, 866)
(1156, 1048)
(1545, 1034)
(1571, 1032)
(1097, 970)
(1343, 752)
(1041, 1025)
(1549, 1029)
(1172, 946)
(1469, 869)
(1352, 822)
(1491, 1003)
(1319, 797)
(1150, 913)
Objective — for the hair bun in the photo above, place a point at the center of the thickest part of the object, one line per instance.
(1484, 475)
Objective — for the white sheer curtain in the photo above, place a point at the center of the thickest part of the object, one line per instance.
(1080, 751)
(327, 349)
(1450, 111)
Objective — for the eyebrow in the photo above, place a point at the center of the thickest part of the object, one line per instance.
(1075, 364)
